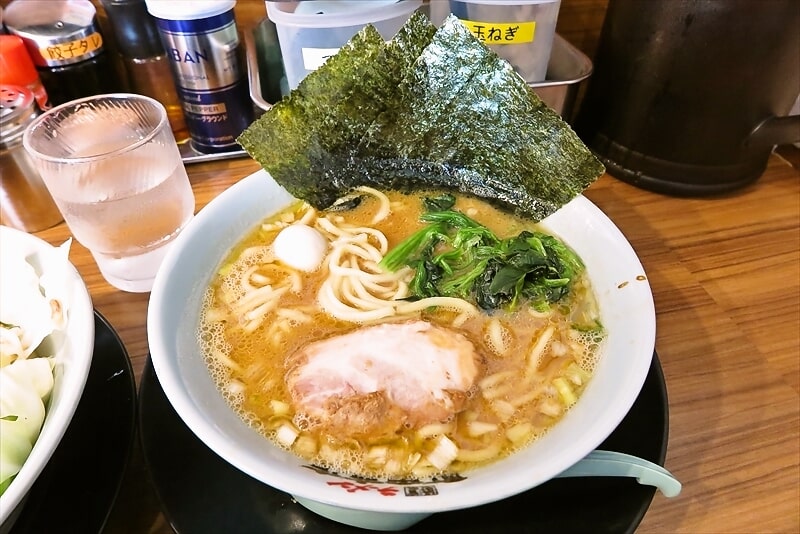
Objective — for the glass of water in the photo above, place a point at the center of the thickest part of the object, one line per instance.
(115, 172)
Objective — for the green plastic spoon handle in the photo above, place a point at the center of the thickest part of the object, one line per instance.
(617, 464)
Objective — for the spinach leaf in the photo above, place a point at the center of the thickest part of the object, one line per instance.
(457, 256)
(443, 202)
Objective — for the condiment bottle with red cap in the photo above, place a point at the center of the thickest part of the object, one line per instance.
(16, 68)
(64, 40)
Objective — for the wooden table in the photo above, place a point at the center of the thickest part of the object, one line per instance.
(725, 274)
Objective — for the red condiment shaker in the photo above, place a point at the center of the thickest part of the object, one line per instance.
(17, 68)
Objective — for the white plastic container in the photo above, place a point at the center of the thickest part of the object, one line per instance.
(520, 31)
(309, 32)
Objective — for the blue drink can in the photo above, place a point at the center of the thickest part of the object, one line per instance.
(201, 40)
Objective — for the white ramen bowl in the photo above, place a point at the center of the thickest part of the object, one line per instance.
(627, 312)
(72, 360)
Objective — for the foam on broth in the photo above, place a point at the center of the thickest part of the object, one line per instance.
(507, 408)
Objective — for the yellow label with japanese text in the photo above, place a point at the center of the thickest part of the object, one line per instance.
(502, 32)
(72, 50)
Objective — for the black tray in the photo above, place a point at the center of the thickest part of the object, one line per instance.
(200, 492)
(78, 486)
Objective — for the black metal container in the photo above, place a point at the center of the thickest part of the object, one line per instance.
(65, 43)
(689, 97)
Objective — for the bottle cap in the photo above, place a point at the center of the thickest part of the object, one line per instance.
(134, 28)
(16, 68)
(182, 10)
(16, 65)
(17, 110)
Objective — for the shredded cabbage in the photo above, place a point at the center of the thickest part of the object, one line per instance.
(25, 386)
(33, 317)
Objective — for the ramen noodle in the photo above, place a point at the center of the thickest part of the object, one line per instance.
(330, 356)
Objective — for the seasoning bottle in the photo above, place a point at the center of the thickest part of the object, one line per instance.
(26, 203)
(202, 44)
(66, 45)
(17, 68)
(143, 57)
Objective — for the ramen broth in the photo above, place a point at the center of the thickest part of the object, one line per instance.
(532, 365)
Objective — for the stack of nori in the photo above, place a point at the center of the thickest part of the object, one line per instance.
(431, 109)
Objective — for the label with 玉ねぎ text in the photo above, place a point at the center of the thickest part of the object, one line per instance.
(502, 32)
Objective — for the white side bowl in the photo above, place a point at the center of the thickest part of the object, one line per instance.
(627, 312)
(72, 363)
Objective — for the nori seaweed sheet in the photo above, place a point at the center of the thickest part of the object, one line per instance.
(431, 109)
(311, 127)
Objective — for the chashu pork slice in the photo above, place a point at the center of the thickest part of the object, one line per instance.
(377, 380)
